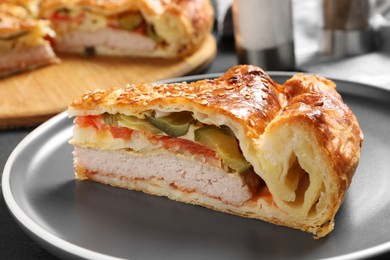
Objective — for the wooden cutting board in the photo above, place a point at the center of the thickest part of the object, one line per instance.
(30, 98)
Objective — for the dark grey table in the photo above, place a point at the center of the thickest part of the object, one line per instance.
(14, 243)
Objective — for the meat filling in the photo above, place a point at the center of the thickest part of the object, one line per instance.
(107, 37)
(103, 147)
(127, 31)
(185, 173)
(27, 58)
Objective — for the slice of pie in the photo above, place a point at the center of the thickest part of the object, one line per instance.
(141, 28)
(240, 144)
(24, 40)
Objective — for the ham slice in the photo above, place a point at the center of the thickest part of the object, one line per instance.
(26, 59)
(108, 38)
(182, 172)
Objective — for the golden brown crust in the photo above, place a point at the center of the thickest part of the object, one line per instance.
(198, 20)
(111, 7)
(245, 94)
(104, 7)
(312, 101)
(30, 5)
(15, 19)
(303, 122)
(315, 99)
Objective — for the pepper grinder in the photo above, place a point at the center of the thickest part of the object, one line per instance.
(346, 29)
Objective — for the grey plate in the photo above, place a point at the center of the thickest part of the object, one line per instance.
(89, 220)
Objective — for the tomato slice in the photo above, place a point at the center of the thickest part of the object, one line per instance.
(98, 124)
(87, 121)
(121, 132)
(173, 143)
(168, 142)
(65, 17)
(141, 29)
(113, 26)
(56, 16)
(50, 39)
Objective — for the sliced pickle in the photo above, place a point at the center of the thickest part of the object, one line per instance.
(137, 124)
(130, 21)
(175, 124)
(63, 11)
(110, 119)
(227, 131)
(224, 144)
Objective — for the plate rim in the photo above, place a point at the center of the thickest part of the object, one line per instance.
(22, 217)
(51, 241)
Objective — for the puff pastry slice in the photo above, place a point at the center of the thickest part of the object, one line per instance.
(240, 144)
(24, 40)
(142, 28)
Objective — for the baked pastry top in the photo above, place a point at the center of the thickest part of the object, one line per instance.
(301, 139)
(31, 6)
(18, 28)
(244, 94)
(14, 19)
